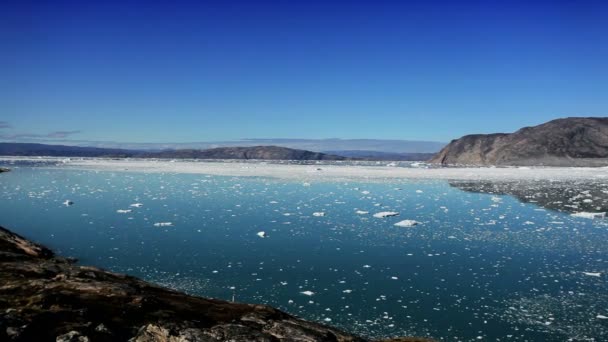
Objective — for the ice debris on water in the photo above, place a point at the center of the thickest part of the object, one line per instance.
(318, 214)
(124, 211)
(262, 234)
(163, 224)
(307, 293)
(361, 212)
(68, 203)
(136, 205)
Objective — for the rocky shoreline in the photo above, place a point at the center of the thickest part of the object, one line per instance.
(45, 297)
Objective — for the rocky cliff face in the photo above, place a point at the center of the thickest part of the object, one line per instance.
(561, 142)
(44, 297)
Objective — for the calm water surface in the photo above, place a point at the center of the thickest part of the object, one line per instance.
(479, 266)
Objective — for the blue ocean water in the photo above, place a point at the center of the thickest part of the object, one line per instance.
(478, 266)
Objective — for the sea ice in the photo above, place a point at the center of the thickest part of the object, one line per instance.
(136, 205)
(67, 203)
(407, 223)
(262, 234)
(361, 212)
(124, 211)
(163, 224)
(307, 293)
(318, 214)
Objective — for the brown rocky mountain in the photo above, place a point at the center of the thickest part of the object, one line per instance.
(561, 142)
(44, 297)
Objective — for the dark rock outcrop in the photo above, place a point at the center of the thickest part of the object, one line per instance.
(561, 142)
(44, 297)
(3, 169)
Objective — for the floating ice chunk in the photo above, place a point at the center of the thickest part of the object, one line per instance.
(262, 234)
(588, 215)
(163, 224)
(305, 184)
(419, 191)
(361, 212)
(307, 293)
(327, 319)
(384, 214)
(601, 317)
(593, 274)
(394, 278)
(318, 214)
(365, 192)
(136, 205)
(347, 291)
(68, 203)
(407, 223)
(124, 211)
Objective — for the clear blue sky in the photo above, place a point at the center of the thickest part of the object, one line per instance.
(219, 70)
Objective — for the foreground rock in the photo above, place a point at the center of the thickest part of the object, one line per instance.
(3, 169)
(44, 297)
(562, 142)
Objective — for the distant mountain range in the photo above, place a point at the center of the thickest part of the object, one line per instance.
(561, 142)
(377, 155)
(254, 152)
(317, 145)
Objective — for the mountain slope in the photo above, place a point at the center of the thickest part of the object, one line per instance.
(561, 142)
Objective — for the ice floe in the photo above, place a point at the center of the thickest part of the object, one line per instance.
(407, 223)
(589, 215)
(593, 274)
(384, 214)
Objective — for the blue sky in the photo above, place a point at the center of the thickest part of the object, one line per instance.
(224, 70)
